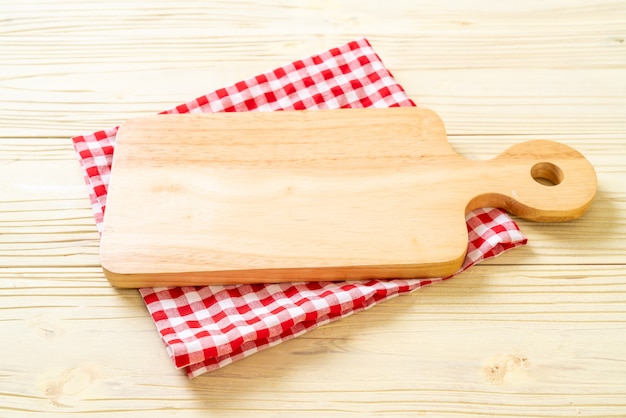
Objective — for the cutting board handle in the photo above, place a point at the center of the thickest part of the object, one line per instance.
(540, 180)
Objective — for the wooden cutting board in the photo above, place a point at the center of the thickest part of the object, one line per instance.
(314, 195)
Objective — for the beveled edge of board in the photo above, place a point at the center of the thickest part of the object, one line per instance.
(282, 275)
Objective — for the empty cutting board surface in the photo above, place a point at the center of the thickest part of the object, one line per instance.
(313, 195)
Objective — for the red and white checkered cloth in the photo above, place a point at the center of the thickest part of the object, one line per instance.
(205, 328)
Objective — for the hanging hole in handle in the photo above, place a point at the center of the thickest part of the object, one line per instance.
(547, 174)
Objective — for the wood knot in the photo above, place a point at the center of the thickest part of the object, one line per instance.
(499, 367)
(70, 383)
(45, 328)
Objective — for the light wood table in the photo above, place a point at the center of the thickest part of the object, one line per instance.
(540, 331)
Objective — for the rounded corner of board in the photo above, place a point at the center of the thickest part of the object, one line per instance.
(113, 274)
(426, 112)
(456, 258)
(116, 279)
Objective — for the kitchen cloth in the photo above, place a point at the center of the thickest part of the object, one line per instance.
(208, 327)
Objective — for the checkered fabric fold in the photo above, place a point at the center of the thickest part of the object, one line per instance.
(205, 328)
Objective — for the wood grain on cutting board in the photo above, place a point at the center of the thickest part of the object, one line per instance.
(313, 195)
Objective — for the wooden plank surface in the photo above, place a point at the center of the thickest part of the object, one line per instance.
(539, 331)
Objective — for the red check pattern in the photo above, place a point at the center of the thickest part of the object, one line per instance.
(205, 328)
